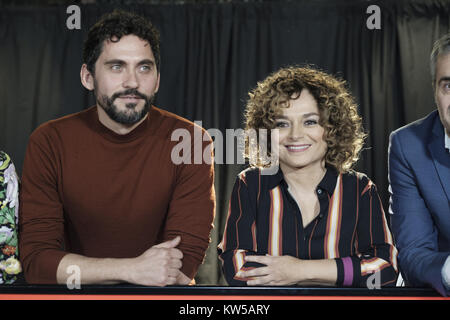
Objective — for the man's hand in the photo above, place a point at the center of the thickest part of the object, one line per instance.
(158, 266)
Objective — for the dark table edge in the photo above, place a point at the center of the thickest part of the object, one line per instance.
(217, 291)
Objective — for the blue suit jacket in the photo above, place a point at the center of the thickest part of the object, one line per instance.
(419, 176)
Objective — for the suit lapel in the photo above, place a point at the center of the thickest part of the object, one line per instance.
(441, 158)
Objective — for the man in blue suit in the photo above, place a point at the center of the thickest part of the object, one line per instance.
(419, 176)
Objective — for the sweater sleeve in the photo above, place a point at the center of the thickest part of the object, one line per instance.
(375, 263)
(239, 237)
(191, 211)
(41, 220)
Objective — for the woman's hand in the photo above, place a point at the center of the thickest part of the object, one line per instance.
(287, 270)
(278, 271)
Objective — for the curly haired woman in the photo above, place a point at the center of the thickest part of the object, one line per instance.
(9, 206)
(316, 221)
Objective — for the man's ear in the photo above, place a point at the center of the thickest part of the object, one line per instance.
(87, 79)
(157, 83)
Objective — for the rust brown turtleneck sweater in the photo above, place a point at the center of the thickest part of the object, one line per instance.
(90, 191)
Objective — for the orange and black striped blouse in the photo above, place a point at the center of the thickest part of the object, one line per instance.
(263, 218)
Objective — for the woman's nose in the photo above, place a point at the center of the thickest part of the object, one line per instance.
(296, 132)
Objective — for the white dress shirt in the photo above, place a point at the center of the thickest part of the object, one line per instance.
(446, 273)
(446, 268)
(447, 140)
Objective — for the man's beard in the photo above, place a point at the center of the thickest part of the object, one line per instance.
(130, 116)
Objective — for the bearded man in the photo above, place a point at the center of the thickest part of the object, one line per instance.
(100, 191)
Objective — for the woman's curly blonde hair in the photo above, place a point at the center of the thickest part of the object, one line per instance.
(344, 133)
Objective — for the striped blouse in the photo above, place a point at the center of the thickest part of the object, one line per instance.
(263, 218)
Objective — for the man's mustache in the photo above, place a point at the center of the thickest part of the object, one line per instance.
(129, 92)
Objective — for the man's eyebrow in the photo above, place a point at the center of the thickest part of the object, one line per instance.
(447, 78)
(121, 62)
(115, 61)
(146, 61)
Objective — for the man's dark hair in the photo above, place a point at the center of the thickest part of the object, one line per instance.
(112, 26)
